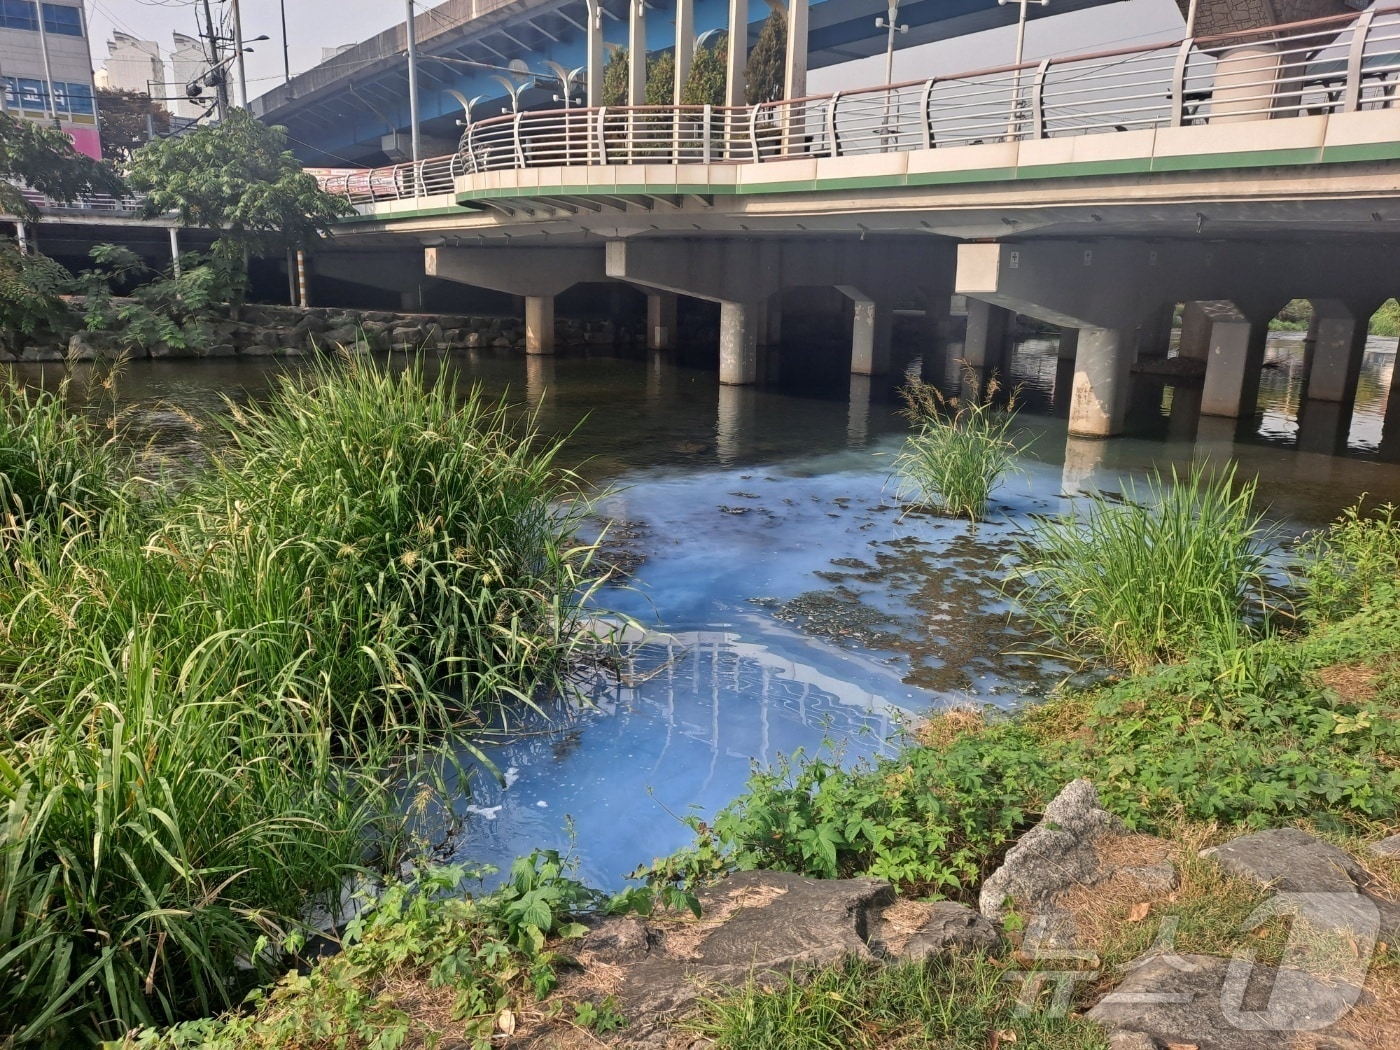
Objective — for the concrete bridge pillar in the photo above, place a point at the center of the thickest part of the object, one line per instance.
(1390, 425)
(537, 274)
(1238, 331)
(738, 342)
(1195, 332)
(1102, 379)
(1339, 344)
(661, 320)
(870, 332)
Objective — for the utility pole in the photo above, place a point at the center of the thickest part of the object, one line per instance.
(221, 81)
(237, 17)
(286, 55)
(412, 82)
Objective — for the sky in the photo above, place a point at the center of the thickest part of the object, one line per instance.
(316, 24)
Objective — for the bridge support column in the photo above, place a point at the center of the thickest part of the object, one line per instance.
(1339, 333)
(858, 412)
(1390, 425)
(738, 343)
(1102, 374)
(1241, 73)
(986, 346)
(538, 274)
(661, 320)
(1195, 332)
(870, 332)
(1324, 426)
(1235, 356)
(1064, 370)
(539, 324)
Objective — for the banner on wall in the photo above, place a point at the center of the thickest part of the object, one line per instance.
(85, 140)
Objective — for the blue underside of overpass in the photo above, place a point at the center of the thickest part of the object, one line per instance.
(345, 121)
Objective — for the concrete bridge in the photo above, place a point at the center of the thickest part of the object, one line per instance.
(1231, 173)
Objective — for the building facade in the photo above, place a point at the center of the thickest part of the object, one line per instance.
(46, 68)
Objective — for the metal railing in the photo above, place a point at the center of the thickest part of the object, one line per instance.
(102, 203)
(1330, 65)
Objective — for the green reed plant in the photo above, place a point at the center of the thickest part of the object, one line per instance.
(53, 462)
(1176, 567)
(960, 449)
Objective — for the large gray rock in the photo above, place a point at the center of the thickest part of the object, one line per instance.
(949, 928)
(1385, 847)
(1222, 1004)
(1054, 856)
(770, 925)
(91, 346)
(1292, 860)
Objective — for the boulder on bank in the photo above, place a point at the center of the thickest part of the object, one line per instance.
(1056, 855)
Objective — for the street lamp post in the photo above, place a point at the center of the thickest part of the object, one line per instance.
(1013, 128)
(892, 24)
(413, 83)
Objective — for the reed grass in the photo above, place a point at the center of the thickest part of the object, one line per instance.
(1175, 569)
(216, 699)
(960, 449)
(53, 462)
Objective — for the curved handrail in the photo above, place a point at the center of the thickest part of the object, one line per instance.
(1165, 84)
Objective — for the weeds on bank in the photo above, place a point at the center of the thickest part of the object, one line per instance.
(1176, 567)
(959, 451)
(427, 961)
(965, 1002)
(215, 700)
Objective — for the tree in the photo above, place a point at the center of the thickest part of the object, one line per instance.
(30, 286)
(615, 78)
(237, 178)
(766, 73)
(706, 83)
(661, 79)
(128, 119)
(44, 159)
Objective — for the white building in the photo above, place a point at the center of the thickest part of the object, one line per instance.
(134, 65)
(46, 67)
(187, 61)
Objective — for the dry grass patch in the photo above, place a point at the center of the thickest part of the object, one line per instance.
(1102, 910)
(1375, 1022)
(1354, 683)
(941, 729)
(901, 920)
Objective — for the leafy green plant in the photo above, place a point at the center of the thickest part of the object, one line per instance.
(30, 289)
(1177, 566)
(1351, 565)
(932, 821)
(959, 451)
(495, 953)
(601, 1017)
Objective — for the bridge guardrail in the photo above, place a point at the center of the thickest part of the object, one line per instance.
(1341, 64)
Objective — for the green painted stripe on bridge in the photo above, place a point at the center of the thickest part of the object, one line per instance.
(1381, 151)
(1264, 158)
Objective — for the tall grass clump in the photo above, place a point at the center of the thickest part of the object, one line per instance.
(431, 542)
(959, 451)
(215, 700)
(52, 462)
(1175, 568)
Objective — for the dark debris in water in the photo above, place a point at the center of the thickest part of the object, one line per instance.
(621, 551)
(937, 605)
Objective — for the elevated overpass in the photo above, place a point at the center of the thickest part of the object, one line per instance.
(354, 108)
(1233, 172)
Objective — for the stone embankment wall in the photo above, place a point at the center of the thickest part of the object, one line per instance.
(283, 331)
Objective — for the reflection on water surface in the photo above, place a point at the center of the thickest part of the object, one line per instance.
(792, 601)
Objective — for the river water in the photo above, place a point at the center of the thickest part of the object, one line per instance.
(790, 601)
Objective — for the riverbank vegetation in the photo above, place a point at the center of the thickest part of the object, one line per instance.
(960, 448)
(218, 699)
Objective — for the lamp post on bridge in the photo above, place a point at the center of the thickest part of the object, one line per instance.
(1013, 128)
(890, 23)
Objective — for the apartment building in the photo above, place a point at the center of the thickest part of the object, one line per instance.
(46, 68)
